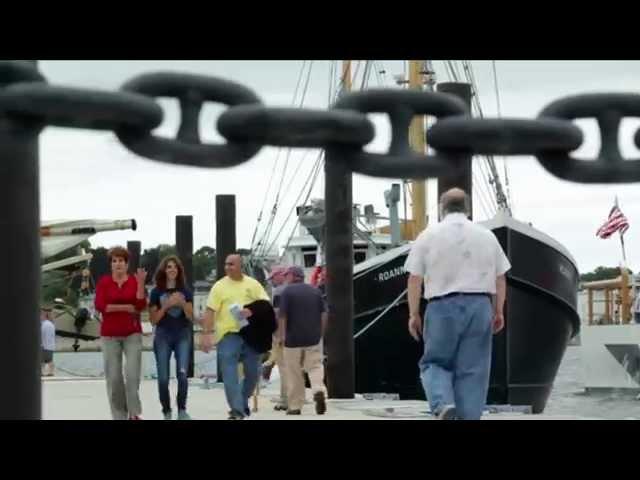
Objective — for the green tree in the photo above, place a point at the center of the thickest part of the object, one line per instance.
(204, 260)
(151, 257)
(601, 273)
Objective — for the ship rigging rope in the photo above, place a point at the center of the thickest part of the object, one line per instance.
(274, 210)
(365, 75)
(332, 97)
(378, 71)
(382, 70)
(389, 307)
(484, 172)
(499, 109)
(495, 176)
(481, 198)
(275, 165)
(490, 174)
(319, 164)
(486, 184)
(311, 179)
(363, 234)
(354, 79)
(284, 170)
(470, 78)
(317, 168)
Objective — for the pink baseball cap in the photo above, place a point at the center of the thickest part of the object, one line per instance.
(277, 270)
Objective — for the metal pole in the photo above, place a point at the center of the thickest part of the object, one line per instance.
(20, 284)
(418, 142)
(339, 256)
(184, 248)
(134, 246)
(225, 230)
(463, 178)
(225, 238)
(392, 197)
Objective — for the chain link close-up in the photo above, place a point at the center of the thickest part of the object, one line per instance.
(247, 125)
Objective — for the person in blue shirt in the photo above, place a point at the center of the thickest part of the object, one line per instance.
(171, 311)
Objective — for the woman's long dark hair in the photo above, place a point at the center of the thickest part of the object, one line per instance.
(161, 274)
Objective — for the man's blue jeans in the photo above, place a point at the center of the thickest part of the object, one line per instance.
(456, 363)
(178, 342)
(232, 349)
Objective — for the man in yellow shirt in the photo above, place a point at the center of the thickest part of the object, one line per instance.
(225, 314)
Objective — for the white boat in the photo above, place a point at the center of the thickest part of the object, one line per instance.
(305, 248)
(610, 341)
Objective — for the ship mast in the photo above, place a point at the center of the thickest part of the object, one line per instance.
(346, 76)
(417, 140)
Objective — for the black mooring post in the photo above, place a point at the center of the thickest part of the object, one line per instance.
(462, 179)
(225, 238)
(339, 258)
(133, 246)
(20, 283)
(184, 248)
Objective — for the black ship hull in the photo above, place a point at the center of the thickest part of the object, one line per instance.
(540, 319)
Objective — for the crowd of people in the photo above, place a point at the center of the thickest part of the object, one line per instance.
(241, 320)
(465, 291)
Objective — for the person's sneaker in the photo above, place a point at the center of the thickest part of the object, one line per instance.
(183, 415)
(235, 416)
(448, 413)
(294, 412)
(135, 417)
(166, 415)
(280, 407)
(321, 405)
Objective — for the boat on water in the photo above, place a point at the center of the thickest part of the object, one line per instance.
(541, 317)
(541, 313)
(610, 339)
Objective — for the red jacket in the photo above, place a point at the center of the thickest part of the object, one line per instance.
(118, 324)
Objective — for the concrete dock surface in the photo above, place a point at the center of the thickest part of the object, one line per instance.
(78, 398)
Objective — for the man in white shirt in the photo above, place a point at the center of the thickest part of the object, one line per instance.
(463, 268)
(48, 342)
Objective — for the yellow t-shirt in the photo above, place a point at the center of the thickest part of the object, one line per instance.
(224, 293)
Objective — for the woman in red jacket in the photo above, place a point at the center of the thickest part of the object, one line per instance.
(120, 298)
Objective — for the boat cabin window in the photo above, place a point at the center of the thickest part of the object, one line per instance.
(309, 260)
(359, 256)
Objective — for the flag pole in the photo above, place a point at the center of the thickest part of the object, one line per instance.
(624, 255)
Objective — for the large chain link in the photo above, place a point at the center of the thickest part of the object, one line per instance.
(608, 109)
(192, 91)
(247, 125)
(402, 106)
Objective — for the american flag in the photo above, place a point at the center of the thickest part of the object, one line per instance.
(616, 222)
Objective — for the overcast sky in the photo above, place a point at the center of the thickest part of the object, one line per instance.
(87, 174)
